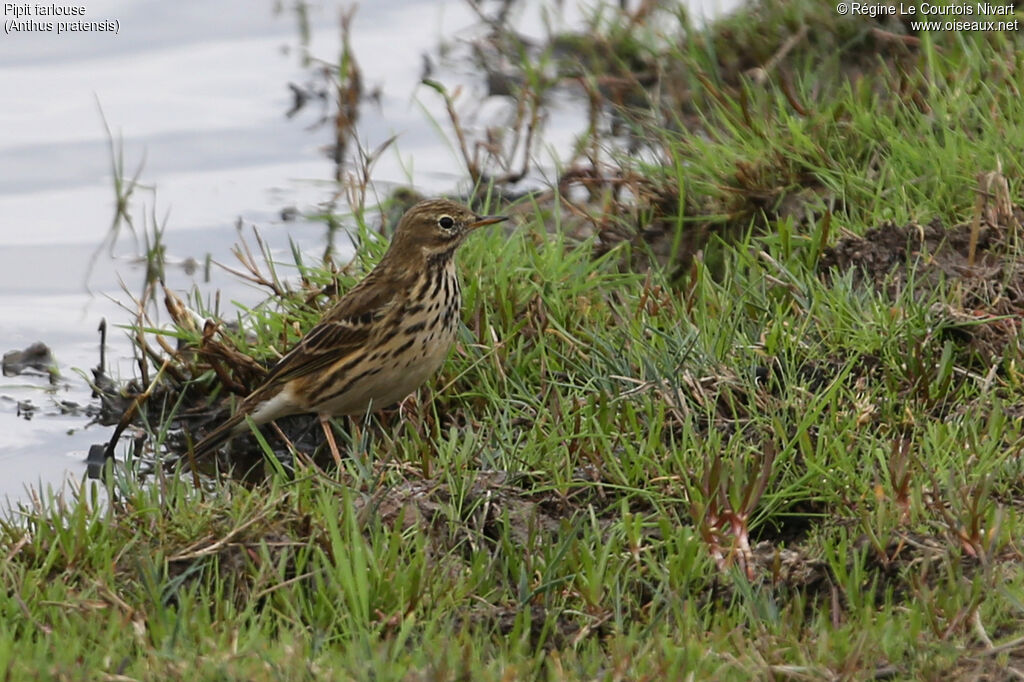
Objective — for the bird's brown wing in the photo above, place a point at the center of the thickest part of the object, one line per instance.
(343, 329)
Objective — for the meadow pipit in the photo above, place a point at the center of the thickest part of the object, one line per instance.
(381, 340)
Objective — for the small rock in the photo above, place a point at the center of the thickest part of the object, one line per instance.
(95, 460)
(26, 409)
(35, 358)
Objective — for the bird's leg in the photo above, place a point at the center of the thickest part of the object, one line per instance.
(325, 423)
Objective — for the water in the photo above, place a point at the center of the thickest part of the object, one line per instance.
(196, 93)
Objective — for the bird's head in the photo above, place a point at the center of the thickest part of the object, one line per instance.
(436, 227)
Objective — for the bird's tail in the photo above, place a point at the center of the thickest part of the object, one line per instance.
(233, 426)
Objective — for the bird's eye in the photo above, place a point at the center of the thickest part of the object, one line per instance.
(446, 222)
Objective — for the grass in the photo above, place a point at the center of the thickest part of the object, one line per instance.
(739, 455)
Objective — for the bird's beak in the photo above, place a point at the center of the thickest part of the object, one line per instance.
(482, 220)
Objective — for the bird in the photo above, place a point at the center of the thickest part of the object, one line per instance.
(380, 341)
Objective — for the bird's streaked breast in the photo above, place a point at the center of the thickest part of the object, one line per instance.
(411, 345)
